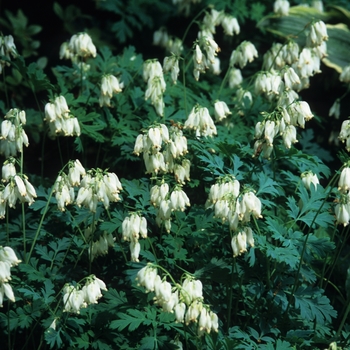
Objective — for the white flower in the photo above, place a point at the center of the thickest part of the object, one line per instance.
(342, 214)
(230, 25)
(281, 7)
(81, 45)
(235, 77)
(8, 255)
(308, 178)
(335, 109)
(344, 180)
(221, 110)
(345, 75)
(244, 53)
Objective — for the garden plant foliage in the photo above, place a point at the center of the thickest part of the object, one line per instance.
(184, 190)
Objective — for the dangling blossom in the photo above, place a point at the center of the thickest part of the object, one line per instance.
(61, 121)
(110, 85)
(98, 186)
(201, 122)
(318, 5)
(184, 300)
(13, 136)
(221, 110)
(7, 49)
(133, 227)
(171, 64)
(335, 109)
(243, 54)
(234, 77)
(317, 34)
(81, 45)
(153, 74)
(8, 259)
(74, 298)
(281, 7)
(308, 178)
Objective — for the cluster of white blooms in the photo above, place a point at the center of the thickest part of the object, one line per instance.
(8, 259)
(243, 54)
(133, 227)
(153, 75)
(308, 178)
(13, 136)
(236, 208)
(171, 44)
(7, 49)
(185, 301)
(80, 45)
(317, 34)
(281, 7)
(342, 208)
(167, 202)
(163, 151)
(240, 240)
(75, 298)
(61, 121)
(284, 123)
(234, 77)
(98, 186)
(171, 64)
(17, 188)
(344, 135)
(109, 85)
(202, 62)
(200, 121)
(221, 110)
(215, 18)
(100, 246)
(64, 185)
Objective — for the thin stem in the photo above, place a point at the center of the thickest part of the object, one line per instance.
(230, 296)
(344, 318)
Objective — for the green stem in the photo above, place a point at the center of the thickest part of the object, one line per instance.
(230, 296)
(344, 318)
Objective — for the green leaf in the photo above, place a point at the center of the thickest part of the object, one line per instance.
(133, 319)
(313, 305)
(53, 338)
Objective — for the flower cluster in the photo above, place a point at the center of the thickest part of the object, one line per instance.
(13, 136)
(171, 64)
(308, 178)
(342, 208)
(243, 54)
(75, 298)
(167, 202)
(240, 240)
(8, 259)
(163, 151)
(201, 122)
(109, 85)
(185, 300)
(153, 74)
(282, 122)
(17, 188)
(133, 227)
(98, 186)
(202, 62)
(7, 49)
(61, 121)
(281, 7)
(317, 34)
(221, 110)
(100, 246)
(64, 185)
(80, 45)
(344, 135)
(236, 208)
